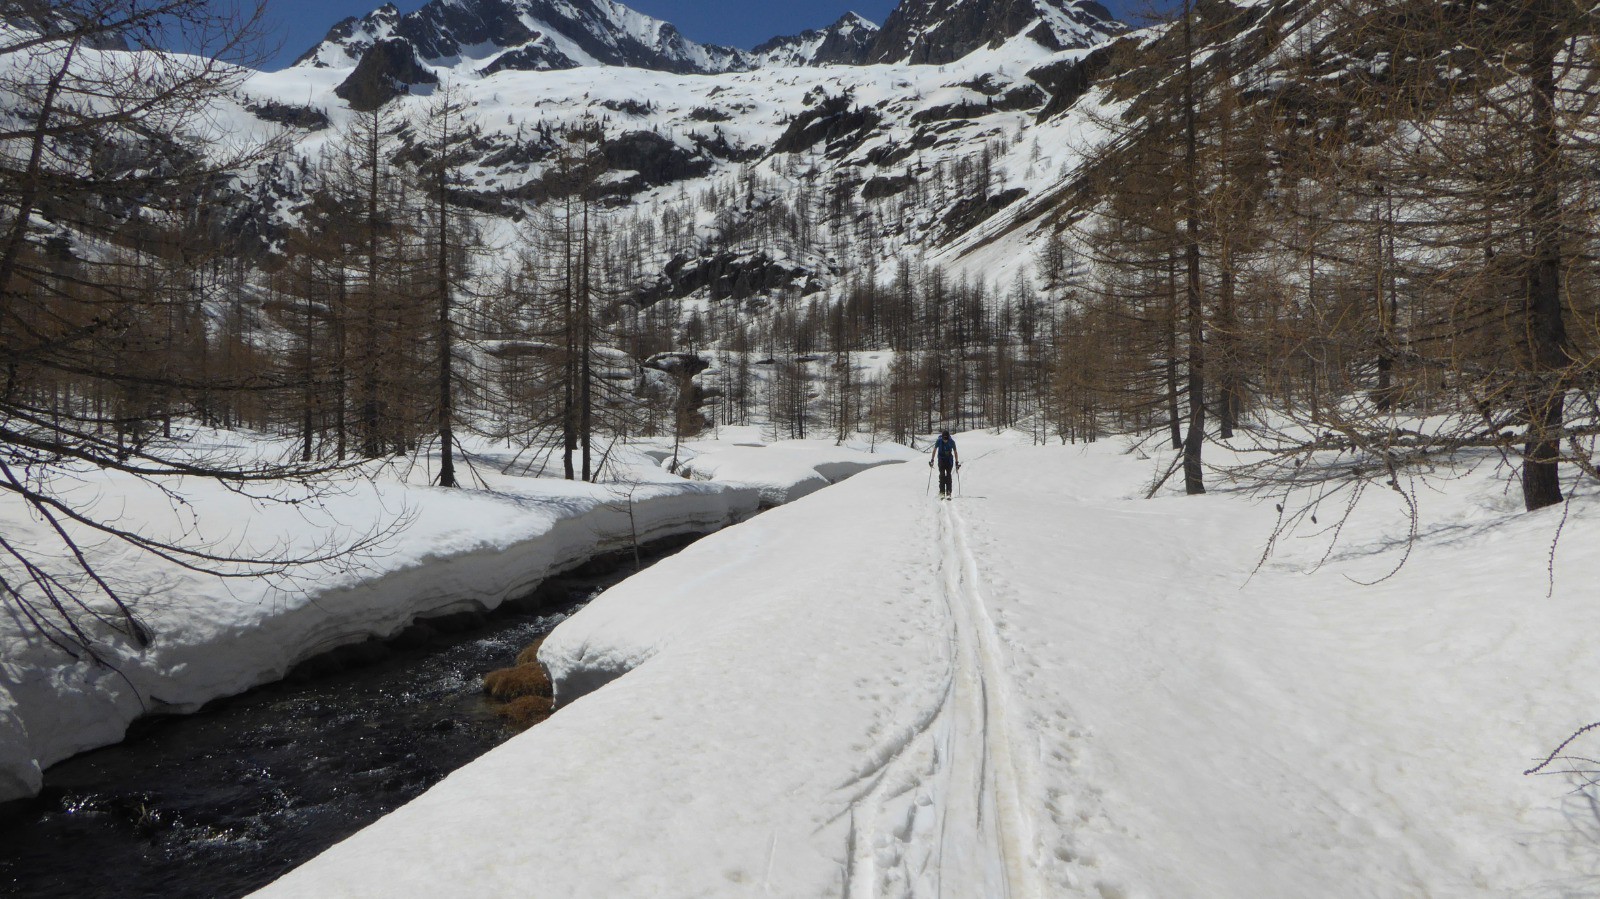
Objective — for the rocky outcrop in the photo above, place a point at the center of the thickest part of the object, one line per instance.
(1067, 82)
(386, 71)
(653, 158)
(306, 118)
(730, 276)
(538, 55)
(834, 120)
(973, 211)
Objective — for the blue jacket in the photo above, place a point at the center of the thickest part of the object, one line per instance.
(946, 447)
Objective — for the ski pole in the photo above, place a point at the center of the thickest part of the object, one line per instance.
(929, 489)
(958, 480)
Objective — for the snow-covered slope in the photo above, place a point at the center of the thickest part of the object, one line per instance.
(930, 154)
(1049, 687)
(927, 155)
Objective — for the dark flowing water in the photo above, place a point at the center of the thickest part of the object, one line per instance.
(220, 803)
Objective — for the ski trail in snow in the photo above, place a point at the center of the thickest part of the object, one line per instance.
(994, 835)
(939, 810)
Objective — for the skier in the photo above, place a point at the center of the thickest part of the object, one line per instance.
(944, 449)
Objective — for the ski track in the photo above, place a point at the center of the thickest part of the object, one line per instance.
(939, 811)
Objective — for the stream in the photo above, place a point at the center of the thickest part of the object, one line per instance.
(222, 802)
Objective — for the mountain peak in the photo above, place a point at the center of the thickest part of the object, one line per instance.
(941, 31)
(845, 42)
(491, 35)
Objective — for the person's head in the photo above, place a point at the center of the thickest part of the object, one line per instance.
(945, 433)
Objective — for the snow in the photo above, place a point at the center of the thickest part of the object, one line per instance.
(1046, 687)
(512, 106)
(439, 551)
(784, 472)
(562, 26)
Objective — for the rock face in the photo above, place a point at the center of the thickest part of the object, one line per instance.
(935, 32)
(386, 71)
(846, 42)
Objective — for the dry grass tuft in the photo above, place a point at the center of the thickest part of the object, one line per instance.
(523, 680)
(526, 711)
(530, 656)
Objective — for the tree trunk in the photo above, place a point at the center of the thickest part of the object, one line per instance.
(1193, 472)
(1174, 419)
(1544, 411)
(585, 372)
(372, 443)
(1226, 332)
(569, 400)
(447, 463)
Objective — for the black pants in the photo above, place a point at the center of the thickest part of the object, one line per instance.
(944, 477)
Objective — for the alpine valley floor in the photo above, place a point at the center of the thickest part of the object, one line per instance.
(1048, 687)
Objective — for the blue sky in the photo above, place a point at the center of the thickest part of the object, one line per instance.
(298, 24)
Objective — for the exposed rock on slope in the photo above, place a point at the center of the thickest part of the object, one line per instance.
(942, 31)
(848, 41)
(386, 71)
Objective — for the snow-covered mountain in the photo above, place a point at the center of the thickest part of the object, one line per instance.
(524, 35)
(943, 31)
(541, 35)
(933, 151)
(848, 41)
(387, 53)
(908, 156)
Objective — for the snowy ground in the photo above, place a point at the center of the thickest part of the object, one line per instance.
(451, 550)
(1048, 687)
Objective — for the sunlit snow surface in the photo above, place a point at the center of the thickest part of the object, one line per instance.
(1046, 687)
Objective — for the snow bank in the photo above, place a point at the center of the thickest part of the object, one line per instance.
(459, 550)
(465, 550)
(724, 762)
(1047, 687)
(19, 776)
(785, 471)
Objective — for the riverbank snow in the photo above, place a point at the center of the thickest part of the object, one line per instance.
(784, 471)
(1047, 687)
(438, 552)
